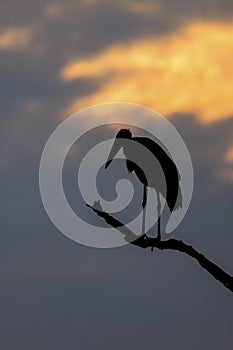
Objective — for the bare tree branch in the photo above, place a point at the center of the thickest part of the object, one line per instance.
(173, 244)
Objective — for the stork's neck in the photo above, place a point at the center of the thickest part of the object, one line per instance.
(129, 149)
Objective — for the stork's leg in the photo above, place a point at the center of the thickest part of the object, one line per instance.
(144, 202)
(159, 213)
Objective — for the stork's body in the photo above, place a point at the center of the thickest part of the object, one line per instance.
(150, 174)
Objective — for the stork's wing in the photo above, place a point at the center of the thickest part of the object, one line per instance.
(171, 173)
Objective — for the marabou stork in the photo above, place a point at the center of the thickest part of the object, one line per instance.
(171, 191)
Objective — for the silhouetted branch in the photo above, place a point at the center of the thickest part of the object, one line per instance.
(173, 244)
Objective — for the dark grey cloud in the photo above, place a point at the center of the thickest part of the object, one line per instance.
(56, 293)
(81, 29)
(78, 31)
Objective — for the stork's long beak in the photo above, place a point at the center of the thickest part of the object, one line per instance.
(114, 150)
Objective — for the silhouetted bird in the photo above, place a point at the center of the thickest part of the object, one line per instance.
(162, 175)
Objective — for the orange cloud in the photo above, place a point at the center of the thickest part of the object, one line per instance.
(53, 10)
(143, 8)
(229, 156)
(189, 71)
(225, 173)
(17, 38)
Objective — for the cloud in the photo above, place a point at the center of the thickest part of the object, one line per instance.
(143, 8)
(211, 148)
(225, 173)
(189, 71)
(53, 10)
(46, 277)
(229, 155)
(17, 38)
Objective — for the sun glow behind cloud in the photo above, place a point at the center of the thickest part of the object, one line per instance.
(189, 71)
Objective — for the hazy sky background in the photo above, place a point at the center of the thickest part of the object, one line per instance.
(57, 57)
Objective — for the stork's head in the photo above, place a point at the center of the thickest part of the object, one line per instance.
(124, 133)
(118, 143)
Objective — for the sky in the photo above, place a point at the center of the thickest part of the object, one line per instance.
(58, 57)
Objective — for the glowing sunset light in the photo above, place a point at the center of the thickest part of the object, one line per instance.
(189, 71)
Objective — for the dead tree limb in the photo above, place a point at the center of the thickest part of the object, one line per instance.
(173, 244)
